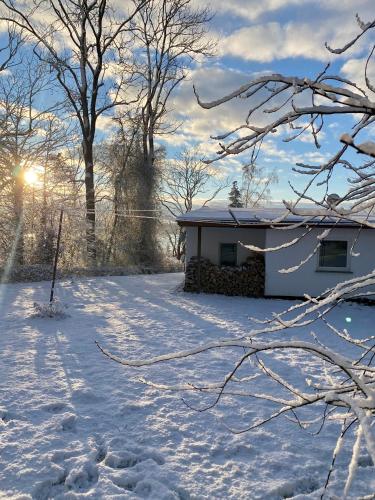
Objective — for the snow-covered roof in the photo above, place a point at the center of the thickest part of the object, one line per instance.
(258, 217)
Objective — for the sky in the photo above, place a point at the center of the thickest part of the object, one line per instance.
(255, 37)
(277, 36)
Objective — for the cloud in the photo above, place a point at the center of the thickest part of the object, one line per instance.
(354, 70)
(250, 9)
(211, 82)
(214, 82)
(274, 153)
(105, 124)
(259, 31)
(198, 124)
(274, 41)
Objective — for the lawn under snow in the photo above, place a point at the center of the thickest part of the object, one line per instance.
(74, 424)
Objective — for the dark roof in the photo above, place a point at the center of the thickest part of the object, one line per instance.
(263, 217)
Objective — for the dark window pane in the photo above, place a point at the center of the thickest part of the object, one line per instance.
(228, 254)
(333, 254)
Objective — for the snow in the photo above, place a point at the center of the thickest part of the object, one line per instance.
(367, 147)
(347, 139)
(265, 216)
(250, 215)
(49, 310)
(74, 424)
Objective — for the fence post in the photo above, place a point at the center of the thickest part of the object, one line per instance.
(56, 257)
(199, 255)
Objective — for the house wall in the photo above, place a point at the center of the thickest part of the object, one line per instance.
(213, 236)
(308, 279)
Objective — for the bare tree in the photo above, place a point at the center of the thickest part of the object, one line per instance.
(255, 187)
(81, 42)
(121, 161)
(171, 34)
(9, 50)
(345, 389)
(182, 181)
(30, 132)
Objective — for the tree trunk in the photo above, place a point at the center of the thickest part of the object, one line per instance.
(180, 247)
(18, 209)
(44, 249)
(111, 246)
(90, 202)
(148, 251)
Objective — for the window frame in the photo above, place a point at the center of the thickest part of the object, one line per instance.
(336, 269)
(236, 254)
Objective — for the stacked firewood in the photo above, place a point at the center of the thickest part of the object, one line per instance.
(246, 280)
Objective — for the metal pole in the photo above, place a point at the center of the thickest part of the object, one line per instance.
(199, 254)
(56, 256)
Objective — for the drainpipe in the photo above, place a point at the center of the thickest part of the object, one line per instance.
(199, 254)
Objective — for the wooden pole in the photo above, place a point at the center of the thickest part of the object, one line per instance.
(56, 257)
(199, 254)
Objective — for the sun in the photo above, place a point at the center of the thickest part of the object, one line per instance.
(31, 176)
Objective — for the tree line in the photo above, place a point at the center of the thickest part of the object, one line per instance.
(85, 103)
(66, 67)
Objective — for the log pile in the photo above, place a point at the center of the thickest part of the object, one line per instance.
(245, 280)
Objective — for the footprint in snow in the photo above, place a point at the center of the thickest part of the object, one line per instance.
(85, 396)
(129, 482)
(293, 488)
(61, 455)
(101, 453)
(80, 479)
(55, 407)
(135, 470)
(128, 459)
(68, 422)
(144, 487)
(365, 461)
(5, 416)
(122, 460)
(83, 477)
(51, 487)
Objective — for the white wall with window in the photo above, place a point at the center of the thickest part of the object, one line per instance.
(325, 266)
(332, 263)
(334, 255)
(228, 254)
(214, 237)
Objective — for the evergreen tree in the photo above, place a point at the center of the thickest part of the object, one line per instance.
(235, 197)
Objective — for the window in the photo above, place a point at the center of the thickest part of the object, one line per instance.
(228, 254)
(333, 255)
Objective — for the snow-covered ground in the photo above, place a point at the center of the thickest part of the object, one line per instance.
(74, 424)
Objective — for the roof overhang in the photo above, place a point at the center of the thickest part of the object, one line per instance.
(262, 225)
(260, 219)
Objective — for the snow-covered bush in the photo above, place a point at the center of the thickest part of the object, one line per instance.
(52, 309)
(42, 272)
(26, 273)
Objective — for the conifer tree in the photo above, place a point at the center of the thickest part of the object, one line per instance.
(235, 196)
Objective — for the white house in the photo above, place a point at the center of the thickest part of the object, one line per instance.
(332, 250)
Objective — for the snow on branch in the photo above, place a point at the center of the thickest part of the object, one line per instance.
(287, 244)
(303, 104)
(345, 383)
(344, 386)
(358, 395)
(366, 148)
(365, 27)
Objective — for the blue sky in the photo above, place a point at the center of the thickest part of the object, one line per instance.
(278, 36)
